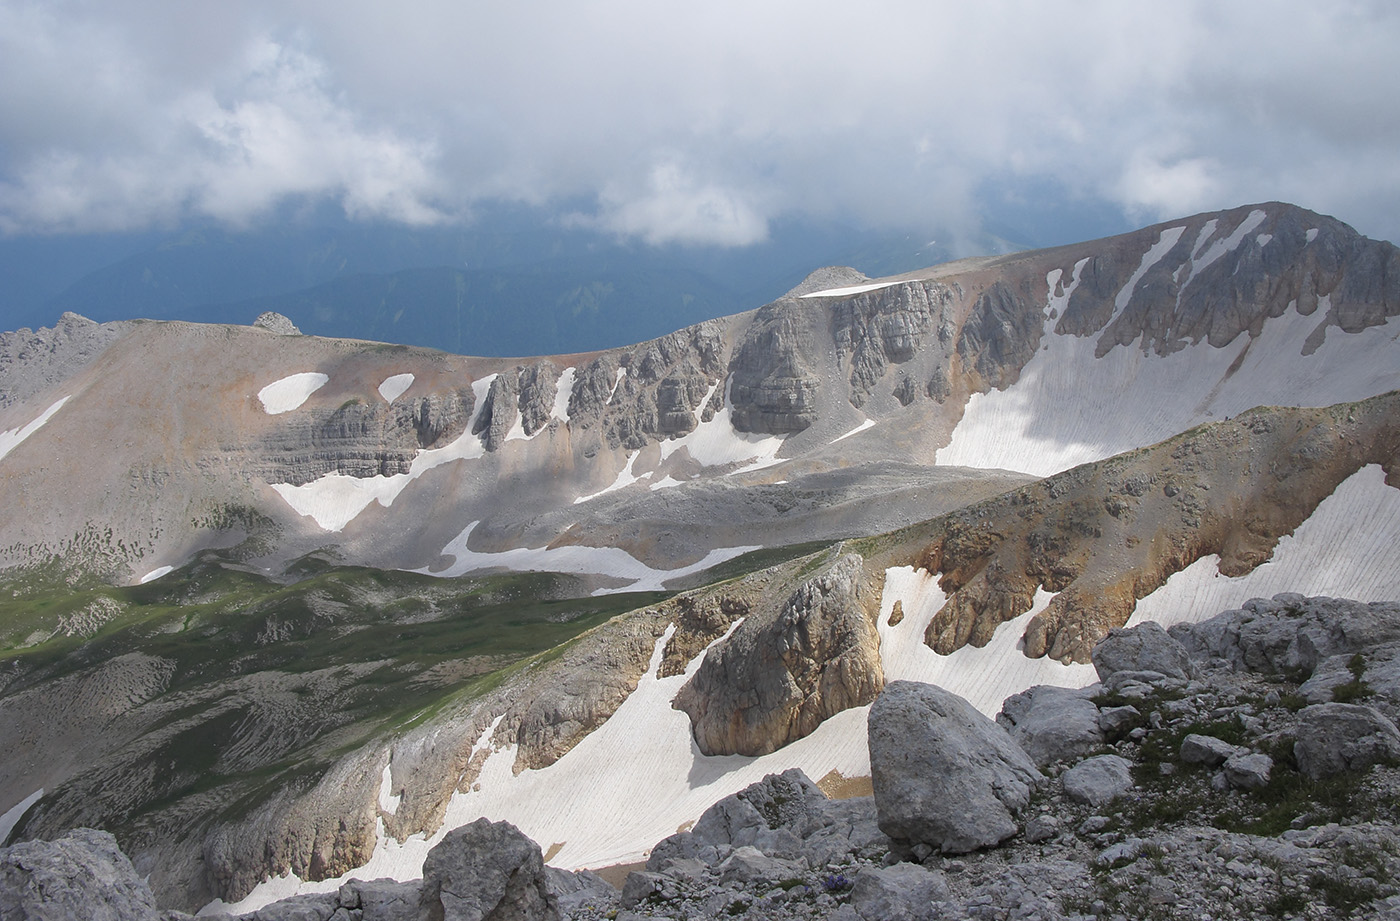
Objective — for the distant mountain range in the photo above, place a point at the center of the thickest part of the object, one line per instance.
(276, 608)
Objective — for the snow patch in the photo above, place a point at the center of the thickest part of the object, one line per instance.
(624, 479)
(1362, 515)
(1165, 241)
(156, 573)
(597, 561)
(868, 423)
(1311, 235)
(333, 501)
(1221, 247)
(718, 442)
(1263, 239)
(1067, 408)
(393, 387)
(985, 676)
(388, 799)
(11, 439)
(852, 289)
(665, 482)
(290, 392)
(617, 382)
(11, 818)
(563, 390)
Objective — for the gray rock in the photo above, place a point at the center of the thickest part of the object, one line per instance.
(749, 865)
(901, 892)
(944, 774)
(1146, 648)
(276, 323)
(318, 906)
(1290, 635)
(1098, 780)
(487, 869)
(773, 388)
(1379, 680)
(771, 683)
(83, 875)
(1052, 724)
(1114, 721)
(1207, 750)
(1042, 828)
(642, 885)
(1249, 772)
(382, 899)
(1333, 738)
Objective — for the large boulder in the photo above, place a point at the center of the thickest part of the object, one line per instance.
(944, 775)
(83, 875)
(773, 682)
(1146, 650)
(487, 870)
(1098, 780)
(902, 892)
(1333, 738)
(1290, 634)
(1052, 724)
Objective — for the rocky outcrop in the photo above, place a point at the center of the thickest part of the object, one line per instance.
(538, 383)
(773, 384)
(887, 327)
(498, 410)
(1000, 335)
(773, 682)
(276, 324)
(1335, 738)
(1053, 724)
(486, 871)
(946, 778)
(1103, 535)
(82, 875)
(31, 361)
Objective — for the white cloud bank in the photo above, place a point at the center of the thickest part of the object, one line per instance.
(692, 124)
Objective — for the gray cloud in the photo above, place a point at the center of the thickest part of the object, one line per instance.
(695, 123)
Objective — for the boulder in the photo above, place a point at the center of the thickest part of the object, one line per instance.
(749, 865)
(1146, 649)
(1249, 771)
(1378, 683)
(1333, 738)
(944, 774)
(83, 875)
(773, 682)
(1052, 724)
(381, 899)
(486, 870)
(901, 892)
(1290, 634)
(1208, 750)
(1098, 780)
(576, 890)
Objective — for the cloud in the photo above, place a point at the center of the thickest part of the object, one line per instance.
(692, 123)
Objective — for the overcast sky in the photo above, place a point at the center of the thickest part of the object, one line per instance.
(695, 122)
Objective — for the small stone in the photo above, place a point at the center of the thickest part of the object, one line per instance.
(1098, 780)
(1249, 772)
(1207, 750)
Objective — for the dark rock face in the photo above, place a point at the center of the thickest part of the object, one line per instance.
(945, 776)
(1001, 335)
(486, 870)
(362, 439)
(83, 875)
(498, 410)
(538, 383)
(772, 683)
(773, 386)
(888, 326)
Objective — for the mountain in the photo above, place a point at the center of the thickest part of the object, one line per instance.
(310, 603)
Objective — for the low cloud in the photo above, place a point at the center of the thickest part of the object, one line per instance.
(698, 124)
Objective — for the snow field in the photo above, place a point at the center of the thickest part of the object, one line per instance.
(333, 500)
(1067, 407)
(287, 394)
(600, 561)
(639, 777)
(852, 289)
(393, 387)
(155, 574)
(11, 439)
(11, 818)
